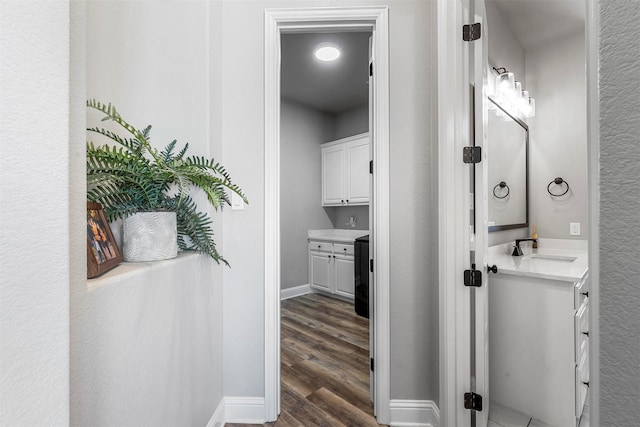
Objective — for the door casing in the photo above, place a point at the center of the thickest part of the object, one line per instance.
(276, 22)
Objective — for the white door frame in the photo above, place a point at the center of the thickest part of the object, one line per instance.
(453, 201)
(307, 20)
(453, 244)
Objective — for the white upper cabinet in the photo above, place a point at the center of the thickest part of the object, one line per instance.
(345, 171)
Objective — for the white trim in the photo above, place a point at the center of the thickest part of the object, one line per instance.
(217, 419)
(414, 413)
(292, 20)
(453, 212)
(244, 410)
(295, 291)
(593, 140)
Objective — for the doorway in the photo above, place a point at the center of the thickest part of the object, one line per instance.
(459, 378)
(277, 23)
(324, 207)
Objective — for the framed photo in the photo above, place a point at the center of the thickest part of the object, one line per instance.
(102, 250)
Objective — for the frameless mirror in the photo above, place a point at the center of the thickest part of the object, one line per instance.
(508, 139)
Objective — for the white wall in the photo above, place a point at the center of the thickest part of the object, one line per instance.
(302, 130)
(414, 304)
(619, 207)
(146, 345)
(558, 136)
(34, 213)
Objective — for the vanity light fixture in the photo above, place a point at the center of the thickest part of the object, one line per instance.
(327, 52)
(509, 94)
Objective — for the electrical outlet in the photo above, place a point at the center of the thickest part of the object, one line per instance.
(574, 228)
(237, 204)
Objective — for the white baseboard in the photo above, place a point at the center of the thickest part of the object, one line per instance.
(296, 291)
(244, 410)
(217, 419)
(413, 413)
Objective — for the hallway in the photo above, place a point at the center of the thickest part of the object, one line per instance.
(324, 364)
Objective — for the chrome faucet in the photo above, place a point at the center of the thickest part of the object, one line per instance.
(517, 250)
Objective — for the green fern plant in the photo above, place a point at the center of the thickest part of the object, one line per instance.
(131, 176)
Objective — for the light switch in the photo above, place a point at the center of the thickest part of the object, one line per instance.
(237, 204)
(574, 228)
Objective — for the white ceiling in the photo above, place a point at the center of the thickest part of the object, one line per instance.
(536, 22)
(332, 87)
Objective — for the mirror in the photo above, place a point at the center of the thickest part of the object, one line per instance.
(508, 138)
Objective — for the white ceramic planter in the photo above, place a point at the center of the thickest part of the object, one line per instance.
(150, 236)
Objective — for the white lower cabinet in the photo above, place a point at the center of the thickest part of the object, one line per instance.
(331, 268)
(539, 347)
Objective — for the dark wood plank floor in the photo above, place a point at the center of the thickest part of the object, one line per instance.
(324, 364)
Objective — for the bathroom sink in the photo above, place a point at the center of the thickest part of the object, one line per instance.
(560, 258)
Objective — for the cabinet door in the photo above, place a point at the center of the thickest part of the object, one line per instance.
(333, 164)
(358, 172)
(320, 270)
(344, 276)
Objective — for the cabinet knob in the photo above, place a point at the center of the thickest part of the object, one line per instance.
(586, 383)
(586, 294)
(329, 256)
(347, 200)
(342, 201)
(319, 246)
(586, 333)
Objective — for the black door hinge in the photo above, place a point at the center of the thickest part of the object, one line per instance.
(371, 265)
(473, 401)
(370, 69)
(471, 32)
(473, 277)
(370, 166)
(472, 154)
(371, 362)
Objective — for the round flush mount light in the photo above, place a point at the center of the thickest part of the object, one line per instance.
(327, 52)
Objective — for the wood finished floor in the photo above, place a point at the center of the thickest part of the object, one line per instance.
(324, 365)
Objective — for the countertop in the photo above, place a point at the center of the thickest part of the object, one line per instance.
(550, 261)
(336, 235)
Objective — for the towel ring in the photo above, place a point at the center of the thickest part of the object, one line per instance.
(558, 181)
(502, 184)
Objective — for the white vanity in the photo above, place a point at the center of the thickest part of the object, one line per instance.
(331, 261)
(539, 330)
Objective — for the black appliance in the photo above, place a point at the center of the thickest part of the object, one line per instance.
(361, 269)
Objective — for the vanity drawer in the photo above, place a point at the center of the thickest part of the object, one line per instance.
(318, 246)
(581, 292)
(342, 249)
(582, 383)
(582, 331)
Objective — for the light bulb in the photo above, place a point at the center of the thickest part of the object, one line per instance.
(504, 85)
(327, 52)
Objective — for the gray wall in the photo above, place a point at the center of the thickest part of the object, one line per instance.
(352, 122)
(302, 130)
(558, 136)
(146, 344)
(506, 51)
(414, 275)
(349, 123)
(619, 207)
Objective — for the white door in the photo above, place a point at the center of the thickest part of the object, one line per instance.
(333, 163)
(372, 295)
(358, 172)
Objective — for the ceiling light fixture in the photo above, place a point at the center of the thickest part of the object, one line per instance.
(327, 52)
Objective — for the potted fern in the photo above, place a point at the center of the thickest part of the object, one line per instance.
(135, 182)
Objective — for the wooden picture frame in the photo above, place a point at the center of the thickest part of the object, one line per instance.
(103, 252)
